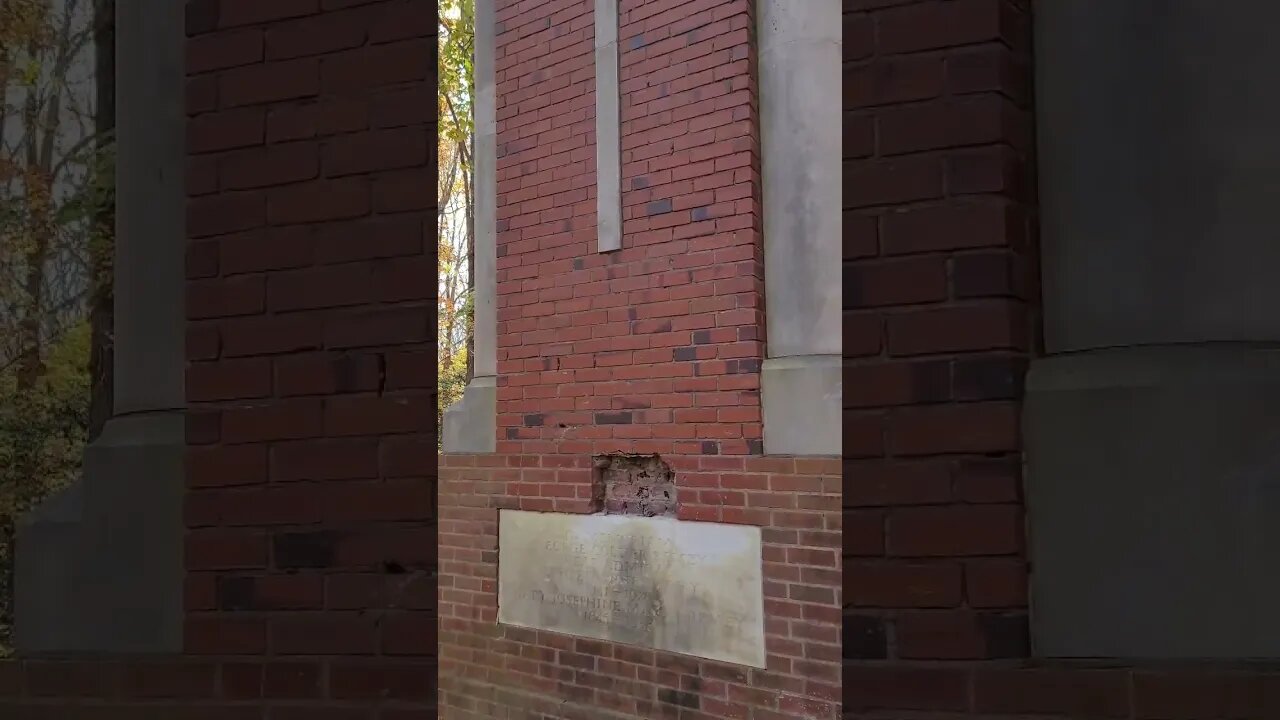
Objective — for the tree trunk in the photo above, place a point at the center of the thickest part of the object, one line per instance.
(101, 297)
(31, 362)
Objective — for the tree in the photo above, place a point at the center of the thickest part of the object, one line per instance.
(56, 196)
(456, 198)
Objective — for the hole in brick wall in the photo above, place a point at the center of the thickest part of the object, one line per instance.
(641, 485)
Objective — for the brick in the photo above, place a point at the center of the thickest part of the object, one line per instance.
(400, 21)
(863, 637)
(292, 680)
(69, 679)
(228, 380)
(391, 326)
(988, 480)
(378, 415)
(409, 634)
(328, 373)
(990, 68)
(312, 288)
(242, 680)
(857, 135)
(878, 687)
(862, 334)
(989, 378)
(225, 549)
(221, 214)
(224, 298)
(996, 583)
(260, 250)
(318, 202)
(948, 635)
(899, 585)
(328, 634)
(400, 107)
(892, 181)
(375, 150)
(202, 16)
(862, 435)
(329, 459)
(883, 482)
(881, 384)
(402, 456)
(863, 533)
(994, 169)
(365, 239)
(202, 259)
(169, 680)
(203, 342)
(937, 24)
(955, 531)
(281, 420)
(269, 82)
(316, 549)
(311, 712)
(962, 428)
(894, 80)
(389, 64)
(223, 50)
(992, 326)
(858, 35)
(948, 226)
(861, 236)
(264, 167)
(271, 334)
(1080, 693)
(316, 35)
(1156, 693)
(972, 120)
(251, 12)
(895, 282)
(221, 635)
(403, 191)
(227, 130)
(411, 370)
(397, 681)
(985, 275)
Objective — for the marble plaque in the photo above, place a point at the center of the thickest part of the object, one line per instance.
(687, 587)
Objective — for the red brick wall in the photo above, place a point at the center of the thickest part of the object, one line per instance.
(486, 669)
(311, 543)
(311, 501)
(655, 348)
(941, 303)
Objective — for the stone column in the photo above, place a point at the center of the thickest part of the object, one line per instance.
(800, 120)
(471, 424)
(99, 566)
(1153, 482)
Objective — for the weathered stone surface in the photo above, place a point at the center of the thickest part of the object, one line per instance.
(800, 123)
(688, 587)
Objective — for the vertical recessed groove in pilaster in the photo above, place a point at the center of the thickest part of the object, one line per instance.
(608, 129)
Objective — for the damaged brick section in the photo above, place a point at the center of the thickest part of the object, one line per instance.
(641, 485)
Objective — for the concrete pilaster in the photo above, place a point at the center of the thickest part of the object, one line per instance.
(800, 118)
(1151, 425)
(99, 567)
(471, 424)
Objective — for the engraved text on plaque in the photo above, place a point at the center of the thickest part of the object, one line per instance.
(687, 587)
